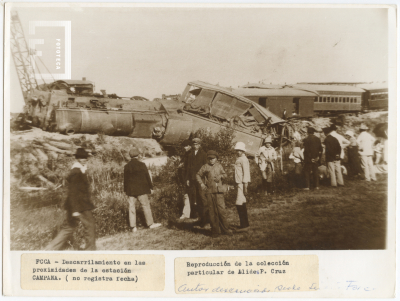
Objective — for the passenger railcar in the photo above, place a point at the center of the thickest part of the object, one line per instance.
(334, 98)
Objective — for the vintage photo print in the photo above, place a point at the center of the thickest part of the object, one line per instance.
(152, 130)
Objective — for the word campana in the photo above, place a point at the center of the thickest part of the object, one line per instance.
(208, 264)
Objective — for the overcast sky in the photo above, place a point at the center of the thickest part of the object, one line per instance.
(154, 51)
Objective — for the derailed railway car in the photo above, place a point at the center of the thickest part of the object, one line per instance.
(212, 107)
(375, 97)
(279, 99)
(170, 121)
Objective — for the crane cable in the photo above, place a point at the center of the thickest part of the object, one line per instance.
(46, 68)
(37, 66)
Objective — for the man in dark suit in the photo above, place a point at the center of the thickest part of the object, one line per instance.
(332, 157)
(187, 146)
(197, 158)
(312, 155)
(78, 206)
(137, 185)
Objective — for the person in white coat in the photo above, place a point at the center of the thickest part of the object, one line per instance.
(242, 179)
(265, 158)
(365, 143)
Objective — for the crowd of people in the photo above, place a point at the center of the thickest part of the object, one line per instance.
(203, 178)
(307, 156)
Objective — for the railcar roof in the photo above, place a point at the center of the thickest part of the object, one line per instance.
(263, 111)
(274, 92)
(330, 88)
(374, 86)
(261, 86)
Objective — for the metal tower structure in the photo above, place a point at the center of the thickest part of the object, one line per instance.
(21, 55)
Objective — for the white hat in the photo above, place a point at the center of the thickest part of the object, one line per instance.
(268, 140)
(240, 146)
(350, 133)
(363, 127)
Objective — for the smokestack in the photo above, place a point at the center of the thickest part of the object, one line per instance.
(83, 78)
(104, 93)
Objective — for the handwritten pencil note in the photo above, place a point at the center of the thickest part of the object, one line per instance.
(92, 272)
(245, 275)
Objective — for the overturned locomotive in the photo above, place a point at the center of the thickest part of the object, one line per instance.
(72, 107)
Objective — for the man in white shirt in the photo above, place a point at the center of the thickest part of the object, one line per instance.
(365, 143)
(342, 141)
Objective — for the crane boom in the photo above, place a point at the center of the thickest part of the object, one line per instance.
(21, 55)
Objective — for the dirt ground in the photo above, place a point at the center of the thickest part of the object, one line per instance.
(351, 217)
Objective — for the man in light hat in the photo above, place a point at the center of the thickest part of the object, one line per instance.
(78, 206)
(198, 203)
(265, 158)
(242, 178)
(312, 155)
(210, 178)
(137, 185)
(365, 143)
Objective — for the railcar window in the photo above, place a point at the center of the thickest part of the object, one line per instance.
(347, 99)
(328, 99)
(336, 99)
(340, 99)
(324, 99)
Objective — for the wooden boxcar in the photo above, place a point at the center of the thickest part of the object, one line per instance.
(296, 102)
(376, 96)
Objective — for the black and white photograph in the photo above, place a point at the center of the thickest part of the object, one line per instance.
(178, 128)
(211, 150)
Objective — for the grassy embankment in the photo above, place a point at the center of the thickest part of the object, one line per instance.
(353, 217)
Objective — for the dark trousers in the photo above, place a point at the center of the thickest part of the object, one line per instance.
(268, 186)
(68, 228)
(198, 202)
(353, 162)
(242, 211)
(216, 204)
(308, 168)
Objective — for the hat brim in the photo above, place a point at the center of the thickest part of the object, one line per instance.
(211, 156)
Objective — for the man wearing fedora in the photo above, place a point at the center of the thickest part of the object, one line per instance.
(198, 203)
(365, 143)
(332, 157)
(187, 146)
(78, 206)
(137, 185)
(312, 156)
(242, 179)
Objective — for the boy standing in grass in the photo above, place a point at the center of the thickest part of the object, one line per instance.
(242, 178)
(137, 185)
(78, 206)
(209, 178)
